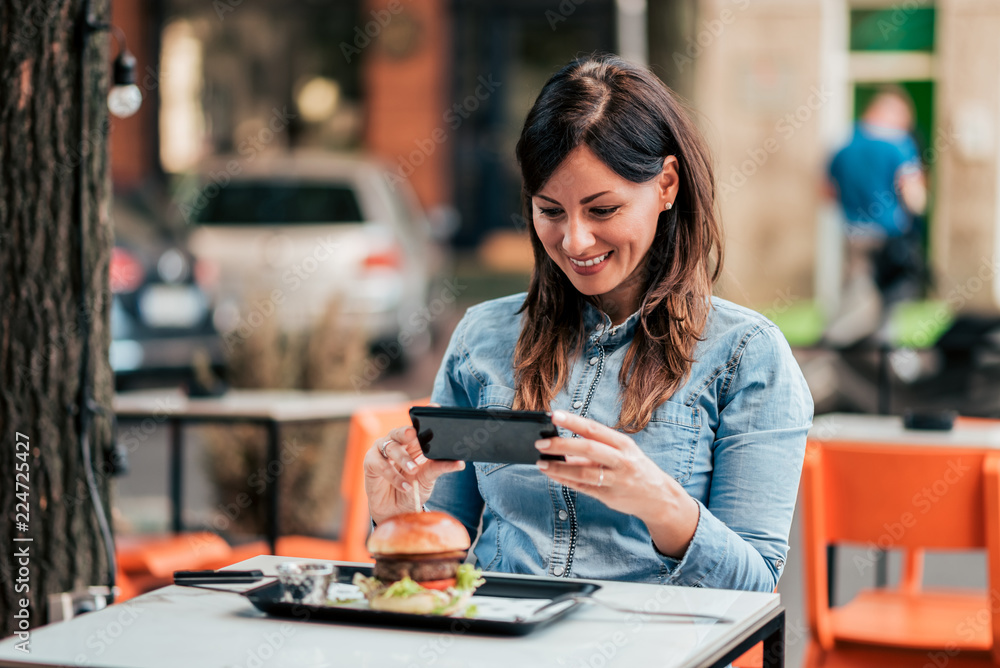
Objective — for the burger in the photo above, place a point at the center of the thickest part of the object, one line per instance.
(418, 566)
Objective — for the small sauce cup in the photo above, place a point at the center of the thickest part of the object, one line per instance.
(305, 583)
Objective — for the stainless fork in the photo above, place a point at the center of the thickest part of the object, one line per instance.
(669, 616)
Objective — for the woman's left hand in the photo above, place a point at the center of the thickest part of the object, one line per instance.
(608, 465)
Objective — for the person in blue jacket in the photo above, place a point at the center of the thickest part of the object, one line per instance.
(682, 417)
(878, 180)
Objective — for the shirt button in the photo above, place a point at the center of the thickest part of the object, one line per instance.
(558, 570)
(593, 361)
(779, 564)
(577, 404)
(563, 515)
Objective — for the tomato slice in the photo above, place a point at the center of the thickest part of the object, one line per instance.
(438, 584)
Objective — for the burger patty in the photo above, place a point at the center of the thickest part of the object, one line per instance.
(388, 569)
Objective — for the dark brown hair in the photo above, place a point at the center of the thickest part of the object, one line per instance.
(631, 121)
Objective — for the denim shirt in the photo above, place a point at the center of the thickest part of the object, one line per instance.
(733, 435)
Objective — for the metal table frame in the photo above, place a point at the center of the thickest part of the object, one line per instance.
(771, 631)
(271, 420)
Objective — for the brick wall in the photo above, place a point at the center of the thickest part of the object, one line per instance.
(406, 82)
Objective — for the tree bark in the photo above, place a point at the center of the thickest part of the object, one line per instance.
(47, 310)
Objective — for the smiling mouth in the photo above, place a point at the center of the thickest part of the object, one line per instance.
(592, 261)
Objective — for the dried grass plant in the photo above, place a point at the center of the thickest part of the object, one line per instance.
(324, 357)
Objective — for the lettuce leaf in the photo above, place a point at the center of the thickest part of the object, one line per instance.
(369, 586)
(402, 588)
(467, 577)
(447, 601)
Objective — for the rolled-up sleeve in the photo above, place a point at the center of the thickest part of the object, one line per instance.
(765, 411)
(456, 493)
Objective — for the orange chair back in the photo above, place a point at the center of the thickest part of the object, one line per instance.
(898, 498)
(886, 497)
(367, 425)
(160, 556)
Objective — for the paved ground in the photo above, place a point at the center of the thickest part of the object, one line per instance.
(142, 499)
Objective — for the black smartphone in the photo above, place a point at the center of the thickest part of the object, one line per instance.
(482, 434)
(930, 420)
(216, 577)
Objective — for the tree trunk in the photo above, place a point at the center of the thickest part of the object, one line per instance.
(47, 311)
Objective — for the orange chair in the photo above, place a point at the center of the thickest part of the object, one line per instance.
(891, 497)
(367, 424)
(754, 658)
(160, 556)
(147, 562)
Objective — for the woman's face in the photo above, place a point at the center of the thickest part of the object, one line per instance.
(597, 226)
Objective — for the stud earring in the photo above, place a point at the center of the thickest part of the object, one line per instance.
(668, 206)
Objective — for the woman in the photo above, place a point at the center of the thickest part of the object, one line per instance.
(682, 417)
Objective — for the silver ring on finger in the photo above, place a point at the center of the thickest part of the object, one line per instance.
(600, 480)
(381, 448)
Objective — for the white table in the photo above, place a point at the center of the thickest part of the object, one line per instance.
(179, 626)
(268, 408)
(858, 428)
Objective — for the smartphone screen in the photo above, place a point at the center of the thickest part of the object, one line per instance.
(482, 434)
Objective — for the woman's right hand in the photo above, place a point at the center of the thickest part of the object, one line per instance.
(390, 480)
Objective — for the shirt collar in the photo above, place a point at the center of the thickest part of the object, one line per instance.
(599, 329)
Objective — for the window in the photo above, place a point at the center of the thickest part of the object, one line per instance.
(271, 203)
(893, 29)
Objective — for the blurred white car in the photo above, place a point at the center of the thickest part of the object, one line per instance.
(283, 236)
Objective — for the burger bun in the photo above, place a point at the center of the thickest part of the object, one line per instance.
(418, 533)
(423, 603)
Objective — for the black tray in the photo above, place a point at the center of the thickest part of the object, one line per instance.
(268, 599)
